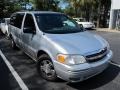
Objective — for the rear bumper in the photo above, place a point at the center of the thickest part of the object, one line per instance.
(82, 72)
(89, 26)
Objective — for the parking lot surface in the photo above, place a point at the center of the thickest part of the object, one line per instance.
(7, 81)
(26, 68)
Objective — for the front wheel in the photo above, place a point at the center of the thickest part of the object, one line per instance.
(45, 68)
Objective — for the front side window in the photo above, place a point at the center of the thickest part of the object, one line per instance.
(56, 24)
(29, 22)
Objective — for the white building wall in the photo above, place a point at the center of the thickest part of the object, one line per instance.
(115, 4)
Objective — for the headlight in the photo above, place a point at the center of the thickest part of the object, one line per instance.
(70, 59)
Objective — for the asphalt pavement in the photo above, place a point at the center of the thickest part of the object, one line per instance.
(7, 81)
(26, 68)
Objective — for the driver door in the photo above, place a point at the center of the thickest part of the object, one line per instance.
(27, 37)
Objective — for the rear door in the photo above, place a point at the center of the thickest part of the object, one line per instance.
(16, 26)
(12, 27)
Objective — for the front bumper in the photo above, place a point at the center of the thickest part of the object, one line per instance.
(77, 73)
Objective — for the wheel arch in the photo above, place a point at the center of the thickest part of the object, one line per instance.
(41, 52)
(10, 35)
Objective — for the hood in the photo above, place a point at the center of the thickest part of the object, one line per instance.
(78, 43)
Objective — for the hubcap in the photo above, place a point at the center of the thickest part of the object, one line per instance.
(47, 68)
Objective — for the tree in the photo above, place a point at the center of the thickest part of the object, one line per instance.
(47, 4)
(82, 8)
(105, 8)
(2, 8)
(74, 4)
(87, 7)
(91, 10)
(7, 7)
(69, 11)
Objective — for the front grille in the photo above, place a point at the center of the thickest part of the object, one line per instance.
(97, 56)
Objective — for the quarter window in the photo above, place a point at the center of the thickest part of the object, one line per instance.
(12, 20)
(16, 20)
(19, 19)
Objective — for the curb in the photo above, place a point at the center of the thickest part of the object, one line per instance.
(107, 30)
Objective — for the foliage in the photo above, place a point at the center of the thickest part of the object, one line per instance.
(47, 5)
(2, 8)
(91, 10)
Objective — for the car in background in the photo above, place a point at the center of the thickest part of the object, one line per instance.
(4, 25)
(85, 24)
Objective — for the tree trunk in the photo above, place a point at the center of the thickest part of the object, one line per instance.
(98, 17)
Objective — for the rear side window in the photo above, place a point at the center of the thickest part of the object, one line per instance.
(12, 19)
(3, 20)
(16, 20)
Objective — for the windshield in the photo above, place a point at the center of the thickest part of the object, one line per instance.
(82, 20)
(56, 24)
(79, 19)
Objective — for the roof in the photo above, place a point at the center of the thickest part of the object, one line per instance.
(42, 12)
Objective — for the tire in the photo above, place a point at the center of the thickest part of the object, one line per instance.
(45, 68)
(6, 34)
(13, 44)
(81, 26)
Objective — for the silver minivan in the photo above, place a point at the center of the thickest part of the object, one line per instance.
(59, 45)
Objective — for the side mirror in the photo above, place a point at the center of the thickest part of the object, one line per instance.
(29, 30)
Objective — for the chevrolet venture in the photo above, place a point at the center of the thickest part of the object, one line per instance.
(59, 45)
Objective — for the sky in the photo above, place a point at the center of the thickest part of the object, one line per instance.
(63, 5)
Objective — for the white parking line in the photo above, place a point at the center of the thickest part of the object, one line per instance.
(14, 73)
(115, 64)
